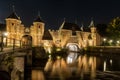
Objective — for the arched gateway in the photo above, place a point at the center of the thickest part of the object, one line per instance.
(73, 47)
(27, 40)
(72, 54)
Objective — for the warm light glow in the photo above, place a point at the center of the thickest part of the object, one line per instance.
(5, 33)
(72, 47)
(104, 66)
(49, 50)
(37, 75)
(90, 42)
(111, 41)
(111, 61)
(71, 58)
(58, 49)
(118, 42)
(58, 57)
(104, 39)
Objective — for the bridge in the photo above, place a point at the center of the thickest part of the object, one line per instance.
(14, 59)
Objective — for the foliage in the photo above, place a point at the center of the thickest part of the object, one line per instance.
(113, 29)
(62, 52)
(101, 29)
(38, 52)
(8, 62)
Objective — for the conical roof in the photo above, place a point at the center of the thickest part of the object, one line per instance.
(91, 24)
(13, 15)
(38, 19)
(47, 35)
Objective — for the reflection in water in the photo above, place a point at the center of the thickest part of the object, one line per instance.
(60, 69)
(37, 75)
(49, 65)
(84, 65)
(71, 58)
(111, 62)
(104, 66)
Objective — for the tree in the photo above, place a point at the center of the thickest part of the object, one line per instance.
(113, 29)
(101, 29)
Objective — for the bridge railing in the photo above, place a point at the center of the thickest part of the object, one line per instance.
(12, 44)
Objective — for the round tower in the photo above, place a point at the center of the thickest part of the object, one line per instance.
(93, 32)
(37, 30)
(13, 28)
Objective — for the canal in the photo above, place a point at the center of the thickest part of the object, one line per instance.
(79, 66)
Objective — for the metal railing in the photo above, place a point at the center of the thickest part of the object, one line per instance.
(11, 43)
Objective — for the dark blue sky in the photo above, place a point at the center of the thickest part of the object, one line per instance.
(53, 12)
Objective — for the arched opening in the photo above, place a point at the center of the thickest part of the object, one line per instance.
(72, 47)
(27, 40)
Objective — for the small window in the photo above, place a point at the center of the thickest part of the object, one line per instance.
(38, 26)
(12, 24)
(73, 33)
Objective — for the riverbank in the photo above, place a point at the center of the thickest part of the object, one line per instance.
(104, 49)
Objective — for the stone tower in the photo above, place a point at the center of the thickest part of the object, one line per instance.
(93, 32)
(37, 30)
(14, 29)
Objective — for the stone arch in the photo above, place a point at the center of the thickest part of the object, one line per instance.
(73, 47)
(26, 40)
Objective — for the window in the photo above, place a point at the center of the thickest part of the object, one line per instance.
(73, 33)
(12, 24)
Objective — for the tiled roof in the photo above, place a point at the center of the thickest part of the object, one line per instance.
(71, 26)
(86, 29)
(13, 15)
(47, 35)
(38, 19)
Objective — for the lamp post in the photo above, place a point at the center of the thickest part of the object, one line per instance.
(104, 40)
(111, 42)
(118, 42)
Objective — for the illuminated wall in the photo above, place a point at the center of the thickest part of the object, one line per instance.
(62, 37)
(36, 31)
(15, 30)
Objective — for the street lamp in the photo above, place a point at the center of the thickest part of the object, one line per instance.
(5, 33)
(118, 42)
(104, 40)
(111, 42)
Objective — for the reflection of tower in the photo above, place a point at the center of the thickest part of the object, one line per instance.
(37, 30)
(87, 64)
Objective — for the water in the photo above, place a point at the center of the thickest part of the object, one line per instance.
(80, 67)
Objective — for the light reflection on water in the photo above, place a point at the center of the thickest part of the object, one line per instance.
(81, 66)
(37, 75)
(60, 67)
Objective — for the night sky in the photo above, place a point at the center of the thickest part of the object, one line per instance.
(53, 12)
